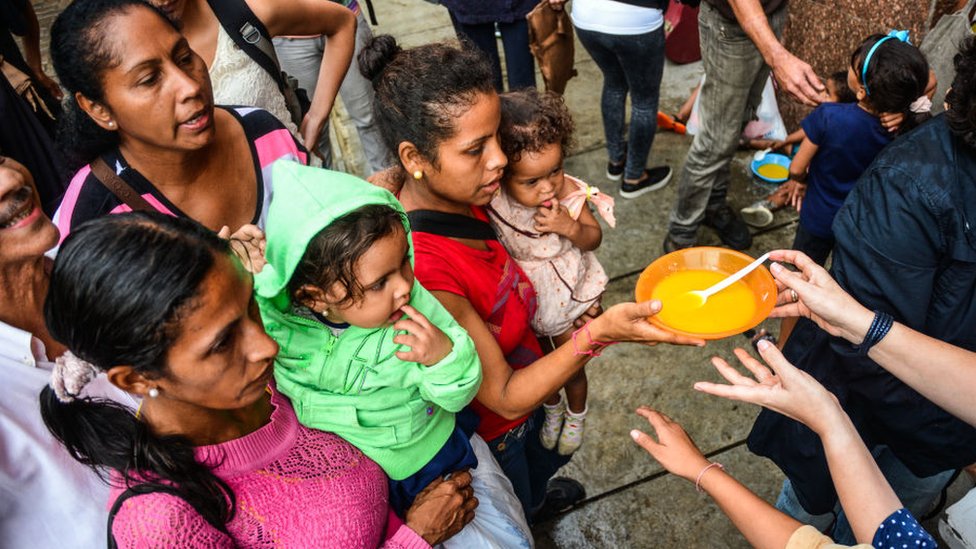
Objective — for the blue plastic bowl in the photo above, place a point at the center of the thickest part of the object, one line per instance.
(771, 158)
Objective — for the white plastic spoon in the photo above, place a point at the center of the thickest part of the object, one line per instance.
(761, 155)
(697, 298)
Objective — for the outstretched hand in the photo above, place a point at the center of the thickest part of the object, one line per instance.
(673, 448)
(798, 79)
(819, 297)
(628, 322)
(782, 388)
(248, 244)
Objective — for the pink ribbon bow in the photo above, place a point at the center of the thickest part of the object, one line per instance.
(575, 200)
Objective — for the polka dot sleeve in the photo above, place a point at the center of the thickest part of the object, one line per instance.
(901, 531)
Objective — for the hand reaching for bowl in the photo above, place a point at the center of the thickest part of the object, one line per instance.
(819, 297)
(673, 449)
(782, 388)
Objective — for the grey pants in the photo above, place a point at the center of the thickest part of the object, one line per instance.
(302, 57)
(735, 74)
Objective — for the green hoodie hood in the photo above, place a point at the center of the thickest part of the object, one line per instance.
(307, 200)
(398, 413)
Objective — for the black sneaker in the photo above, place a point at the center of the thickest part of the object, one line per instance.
(561, 494)
(730, 228)
(615, 172)
(671, 245)
(657, 178)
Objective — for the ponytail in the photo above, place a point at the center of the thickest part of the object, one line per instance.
(107, 437)
(80, 139)
(895, 78)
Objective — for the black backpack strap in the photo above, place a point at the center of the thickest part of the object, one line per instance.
(137, 490)
(250, 34)
(450, 225)
(372, 14)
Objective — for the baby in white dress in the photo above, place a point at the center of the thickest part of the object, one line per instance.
(542, 218)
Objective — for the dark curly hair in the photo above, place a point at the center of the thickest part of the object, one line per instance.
(961, 98)
(531, 120)
(422, 90)
(897, 75)
(844, 93)
(81, 50)
(331, 256)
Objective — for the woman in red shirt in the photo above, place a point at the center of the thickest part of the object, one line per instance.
(437, 107)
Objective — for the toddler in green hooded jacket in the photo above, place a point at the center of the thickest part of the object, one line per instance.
(366, 352)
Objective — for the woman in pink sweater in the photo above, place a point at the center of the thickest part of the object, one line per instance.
(215, 456)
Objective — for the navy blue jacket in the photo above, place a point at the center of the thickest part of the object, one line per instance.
(906, 244)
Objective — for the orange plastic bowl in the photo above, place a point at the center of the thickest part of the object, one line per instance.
(707, 258)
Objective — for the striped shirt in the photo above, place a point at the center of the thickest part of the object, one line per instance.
(87, 198)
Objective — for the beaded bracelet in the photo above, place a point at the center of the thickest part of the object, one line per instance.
(598, 344)
(880, 326)
(702, 473)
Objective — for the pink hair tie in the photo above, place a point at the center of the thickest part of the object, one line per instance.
(702, 473)
(600, 345)
(920, 105)
(70, 375)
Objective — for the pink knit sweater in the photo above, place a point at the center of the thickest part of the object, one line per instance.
(295, 487)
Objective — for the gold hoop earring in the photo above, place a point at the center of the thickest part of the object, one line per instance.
(418, 175)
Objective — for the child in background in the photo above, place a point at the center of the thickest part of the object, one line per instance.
(760, 213)
(887, 75)
(543, 220)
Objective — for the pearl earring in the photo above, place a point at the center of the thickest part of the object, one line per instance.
(418, 175)
(111, 124)
(153, 393)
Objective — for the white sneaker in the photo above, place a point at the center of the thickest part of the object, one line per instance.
(549, 435)
(572, 436)
(758, 214)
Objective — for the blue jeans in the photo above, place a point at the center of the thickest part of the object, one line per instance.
(515, 40)
(916, 494)
(634, 64)
(526, 462)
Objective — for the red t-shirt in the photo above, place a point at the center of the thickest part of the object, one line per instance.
(497, 289)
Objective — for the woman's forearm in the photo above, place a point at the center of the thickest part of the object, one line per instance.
(941, 372)
(336, 59)
(862, 489)
(507, 392)
(763, 525)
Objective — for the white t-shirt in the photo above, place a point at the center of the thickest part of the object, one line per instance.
(47, 499)
(611, 17)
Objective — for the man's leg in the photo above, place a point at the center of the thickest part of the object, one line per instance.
(732, 65)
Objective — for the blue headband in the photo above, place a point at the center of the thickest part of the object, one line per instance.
(901, 35)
